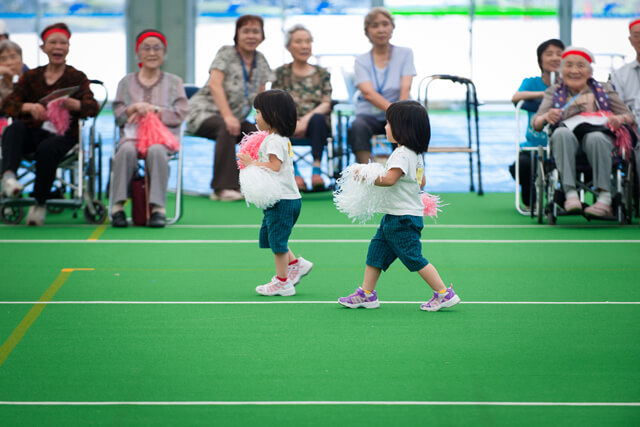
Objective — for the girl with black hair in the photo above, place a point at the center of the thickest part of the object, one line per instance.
(276, 114)
(400, 229)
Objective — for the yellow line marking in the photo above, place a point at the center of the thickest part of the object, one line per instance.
(98, 232)
(35, 311)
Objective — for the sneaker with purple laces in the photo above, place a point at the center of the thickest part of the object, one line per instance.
(360, 299)
(277, 287)
(437, 302)
(298, 270)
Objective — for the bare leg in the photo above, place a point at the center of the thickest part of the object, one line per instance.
(431, 276)
(371, 276)
(282, 262)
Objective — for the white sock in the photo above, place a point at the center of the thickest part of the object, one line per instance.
(605, 197)
(571, 193)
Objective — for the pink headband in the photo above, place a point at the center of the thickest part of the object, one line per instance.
(55, 30)
(579, 53)
(637, 21)
(151, 34)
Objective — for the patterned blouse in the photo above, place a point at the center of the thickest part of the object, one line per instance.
(227, 60)
(32, 86)
(308, 91)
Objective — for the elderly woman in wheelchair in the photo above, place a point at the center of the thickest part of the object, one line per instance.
(33, 130)
(588, 117)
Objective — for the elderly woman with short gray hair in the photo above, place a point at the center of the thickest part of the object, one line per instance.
(11, 66)
(569, 107)
(310, 87)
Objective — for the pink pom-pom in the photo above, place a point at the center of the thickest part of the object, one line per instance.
(58, 115)
(152, 131)
(250, 145)
(431, 204)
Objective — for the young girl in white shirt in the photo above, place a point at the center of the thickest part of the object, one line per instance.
(276, 113)
(400, 229)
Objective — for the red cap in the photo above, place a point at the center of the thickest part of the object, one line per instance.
(634, 22)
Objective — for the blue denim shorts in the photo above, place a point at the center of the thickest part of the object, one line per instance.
(397, 237)
(277, 223)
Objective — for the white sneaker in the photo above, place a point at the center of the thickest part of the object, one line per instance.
(10, 186)
(276, 287)
(298, 270)
(36, 215)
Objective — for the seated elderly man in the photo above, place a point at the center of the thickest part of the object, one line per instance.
(626, 81)
(568, 107)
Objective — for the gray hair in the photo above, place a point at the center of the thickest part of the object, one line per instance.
(372, 15)
(10, 45)
(290, 31)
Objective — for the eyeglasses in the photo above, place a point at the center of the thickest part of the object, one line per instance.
(146, 48)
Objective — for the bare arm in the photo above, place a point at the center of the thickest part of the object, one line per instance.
(526, 95)
(216, 78)
(390, 178)
(274, 162)
(405, 87)
(370, 94)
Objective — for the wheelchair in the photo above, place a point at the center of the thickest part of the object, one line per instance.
(623, 186)
(78, 181)
(531, 153)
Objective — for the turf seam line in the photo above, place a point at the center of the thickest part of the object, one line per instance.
(254, 241)
(311, 403)
(311, 302)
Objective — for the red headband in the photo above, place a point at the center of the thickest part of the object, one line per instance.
(55, 30)
(637, 21)
(151, 34)
(579, 53)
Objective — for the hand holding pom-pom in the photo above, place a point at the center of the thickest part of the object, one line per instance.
(357, 196)
(250, 145)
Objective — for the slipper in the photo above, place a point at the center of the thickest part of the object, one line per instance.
(599, 209)
(572, 205)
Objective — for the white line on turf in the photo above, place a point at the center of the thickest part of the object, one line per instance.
(310, 403)
(313, 302)
(181, 241)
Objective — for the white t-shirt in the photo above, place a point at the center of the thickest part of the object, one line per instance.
(403, 198)
(280, 147)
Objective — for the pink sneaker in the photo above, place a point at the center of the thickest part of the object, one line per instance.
(277, 287)
(298, 270)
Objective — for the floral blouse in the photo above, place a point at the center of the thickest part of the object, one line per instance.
(227, 60)
(308, 91)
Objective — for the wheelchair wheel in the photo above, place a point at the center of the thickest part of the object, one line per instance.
(54, 209)
(549, 213)
(11, 214)
(99, 212)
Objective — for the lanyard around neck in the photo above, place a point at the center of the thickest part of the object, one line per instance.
(380, 87)
(248, 76)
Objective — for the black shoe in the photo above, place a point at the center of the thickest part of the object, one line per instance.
(157, 220)
(119, 219)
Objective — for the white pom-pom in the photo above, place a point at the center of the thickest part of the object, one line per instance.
(356, 194)
(257, 185)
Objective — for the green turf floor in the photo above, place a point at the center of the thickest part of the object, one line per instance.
(498, 358)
